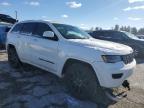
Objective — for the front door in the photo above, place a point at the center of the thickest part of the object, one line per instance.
(44, 49)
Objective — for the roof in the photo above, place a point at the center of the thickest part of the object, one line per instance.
(7, 19)
(49, 21)
(109, 31)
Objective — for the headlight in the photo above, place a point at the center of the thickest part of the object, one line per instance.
(111, 58)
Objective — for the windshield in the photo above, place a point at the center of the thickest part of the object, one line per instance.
(71, 32)
(131, 35)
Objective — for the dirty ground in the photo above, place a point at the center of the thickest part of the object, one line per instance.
(30, 87)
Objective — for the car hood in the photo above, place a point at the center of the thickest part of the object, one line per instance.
(137, 39)
(105, 46)
(139, 42)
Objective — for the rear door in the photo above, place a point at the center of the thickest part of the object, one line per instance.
(44, 50)
(24, 37)
(16, 39)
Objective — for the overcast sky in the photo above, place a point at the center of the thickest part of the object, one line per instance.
(82, 13)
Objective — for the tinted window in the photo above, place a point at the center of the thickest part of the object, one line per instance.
(96, 34)
(28, 28)
(114, 35)
(17, 28)
(108, 35)
(41, 28)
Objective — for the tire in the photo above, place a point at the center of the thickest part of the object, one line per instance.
(136, 52)
(82, 83)
(13, 58)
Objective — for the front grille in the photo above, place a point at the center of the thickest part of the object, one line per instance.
(128, 58)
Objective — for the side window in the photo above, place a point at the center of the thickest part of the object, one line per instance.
(17, 28)
(98, 34)
(28, 28)
(41, 28)
(108, 35)
(117, 36)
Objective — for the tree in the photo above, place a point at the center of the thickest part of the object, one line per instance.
(134, 30)
(97, 28)
(141, 31)
(116, 27)
(91, 29)
(128, 29)
(100, 28)
(122, 28)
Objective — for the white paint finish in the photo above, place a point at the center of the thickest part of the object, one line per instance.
(44, 50)
(52, 55)
(105, 71)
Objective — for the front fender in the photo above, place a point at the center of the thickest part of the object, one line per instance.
(68, 51)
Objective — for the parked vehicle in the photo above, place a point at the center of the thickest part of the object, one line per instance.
(140, 36)
(7, 18)
(3, 32)
(91, 68)
(123, 38)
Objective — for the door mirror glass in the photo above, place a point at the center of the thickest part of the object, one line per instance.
(48, 34)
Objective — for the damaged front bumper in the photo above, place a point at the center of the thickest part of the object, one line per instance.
(117, 94)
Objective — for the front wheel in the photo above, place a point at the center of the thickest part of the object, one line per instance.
(13, 58)
(82, 83)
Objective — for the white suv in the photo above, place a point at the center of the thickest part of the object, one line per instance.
(90, 67)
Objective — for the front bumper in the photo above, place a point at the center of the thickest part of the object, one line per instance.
(104, 72)
(119, 93)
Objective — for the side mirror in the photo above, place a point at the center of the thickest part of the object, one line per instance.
(48, 34)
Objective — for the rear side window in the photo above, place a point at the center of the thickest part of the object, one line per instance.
(108, 35)
(28, 28)
(41, 28)
(114, 35)
(96, 34)
(17, 28)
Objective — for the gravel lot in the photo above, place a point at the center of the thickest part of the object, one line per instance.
(30, 87)
(135, 98)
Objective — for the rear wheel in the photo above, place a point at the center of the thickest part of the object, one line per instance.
(13, 58)
(83, 84)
